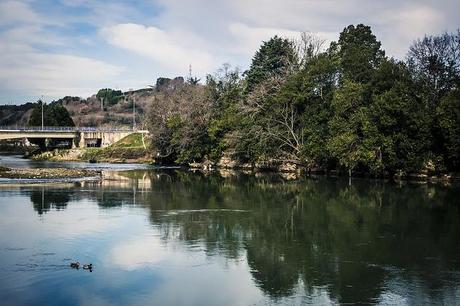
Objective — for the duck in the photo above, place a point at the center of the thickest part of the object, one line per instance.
(88, 266)
(75, 265)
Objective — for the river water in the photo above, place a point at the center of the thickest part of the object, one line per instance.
(171, 237)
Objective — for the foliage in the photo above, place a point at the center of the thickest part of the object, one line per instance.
(448, 113)
(435, 65)
(110, 97)
(402, 122)
(225, 91)
(359, 52)
(179, 122)
(346, 108)
(352, 140)
(274, 58)
(54, 114)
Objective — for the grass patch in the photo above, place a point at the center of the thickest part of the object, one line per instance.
(131, 141)
(128, 148)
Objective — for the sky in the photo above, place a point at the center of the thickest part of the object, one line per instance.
(56, 48)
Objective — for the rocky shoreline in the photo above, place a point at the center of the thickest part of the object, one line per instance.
(293, 170)
(47, 173)
(106, 155)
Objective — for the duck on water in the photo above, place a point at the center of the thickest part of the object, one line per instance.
(76, 265)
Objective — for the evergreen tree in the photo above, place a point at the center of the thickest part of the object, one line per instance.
(109, 96)
(274, 58)
(359, 52)
(54, 114)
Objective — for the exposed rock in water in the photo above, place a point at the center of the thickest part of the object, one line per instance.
(47, 173)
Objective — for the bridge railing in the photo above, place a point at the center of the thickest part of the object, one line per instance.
(63, 129)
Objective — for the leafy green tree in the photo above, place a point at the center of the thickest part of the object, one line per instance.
(274, 58)
(318, 86)
(353, 136)
(434, 62)
(110, 97)
(401, 119)
(54, 114)
(290, 118)
(225, 90)
(359, 52)
(350, 107)
(448, 113)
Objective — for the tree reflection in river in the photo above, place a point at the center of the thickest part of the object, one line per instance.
(323, 233)
(354, 242)
(44, 199)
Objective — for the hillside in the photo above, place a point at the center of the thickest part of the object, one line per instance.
(87, 112)
(11, 115)
(116, 111)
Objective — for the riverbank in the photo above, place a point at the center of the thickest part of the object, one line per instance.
(131, 149)
(47, 173)
(295, 171)
(106, 155)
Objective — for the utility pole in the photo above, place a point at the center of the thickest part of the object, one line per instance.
(102, 103)
(43, 121)
(134, 113)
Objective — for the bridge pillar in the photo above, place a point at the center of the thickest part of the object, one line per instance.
(81, 143)
(77, 141)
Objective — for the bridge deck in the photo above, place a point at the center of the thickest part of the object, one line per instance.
(66, 129)
(80, 135)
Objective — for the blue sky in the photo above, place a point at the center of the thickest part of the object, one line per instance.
(74, 47)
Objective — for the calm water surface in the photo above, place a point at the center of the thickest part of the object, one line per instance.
(168, 237)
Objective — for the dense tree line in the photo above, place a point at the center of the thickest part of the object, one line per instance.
(109, 96)
(347, 107)
(54, 114)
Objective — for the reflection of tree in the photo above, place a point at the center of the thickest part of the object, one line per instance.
(319, 233)
(350, 241)
(44, 199)
(113, 199)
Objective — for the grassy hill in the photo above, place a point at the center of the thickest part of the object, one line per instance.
(132, 148)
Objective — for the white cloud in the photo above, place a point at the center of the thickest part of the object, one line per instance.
(248, 39)
(15, 11)
(138, 253)
(395, 23)
(29, 35)
(165, 48)
(153, 38)
(26, 69)
(53, 74)
(399, 29)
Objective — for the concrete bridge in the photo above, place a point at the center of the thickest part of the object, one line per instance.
(81, 137)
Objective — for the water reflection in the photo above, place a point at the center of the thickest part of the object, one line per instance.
(54, 199)
(314, 240)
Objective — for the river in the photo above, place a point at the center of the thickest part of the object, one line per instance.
(172, 237)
